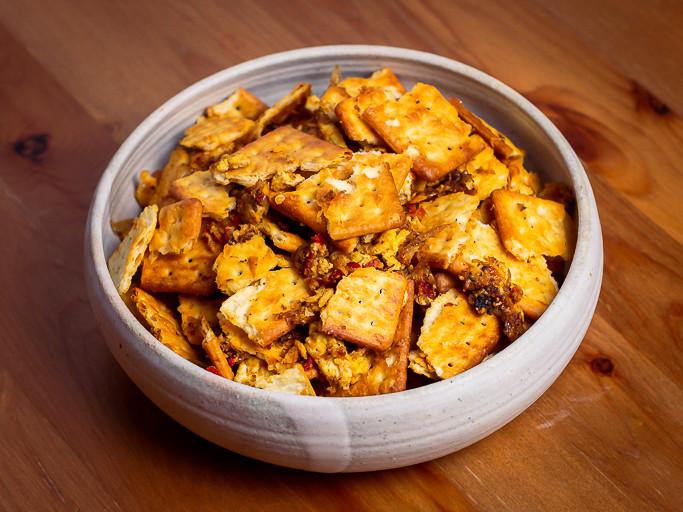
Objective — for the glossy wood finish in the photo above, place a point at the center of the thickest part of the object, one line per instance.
(77, 77)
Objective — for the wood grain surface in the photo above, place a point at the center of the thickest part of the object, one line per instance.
(77, 76)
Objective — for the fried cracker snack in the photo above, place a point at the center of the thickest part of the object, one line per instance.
(364, 241)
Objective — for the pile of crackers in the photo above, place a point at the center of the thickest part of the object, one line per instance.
(359, 242)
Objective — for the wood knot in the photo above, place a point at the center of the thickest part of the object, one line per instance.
(647, 102)
(31, 146)
(602, 365)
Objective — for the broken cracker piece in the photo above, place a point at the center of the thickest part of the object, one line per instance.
(215, 197)
(179, 226)
(240, 264)
(126, 259)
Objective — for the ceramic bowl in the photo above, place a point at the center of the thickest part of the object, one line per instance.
(362, 433)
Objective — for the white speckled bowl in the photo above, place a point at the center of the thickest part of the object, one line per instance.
(347, 434)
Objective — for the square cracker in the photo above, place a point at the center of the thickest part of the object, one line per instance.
(531, 226)
(240, 103)
(454, 338)
(387, 371)
(240, 264)
(283, 149)
(215, 198)
(383, 79)
(457, 207)
(399, 164)
(164, 324)
(366, 202)
(350, 111)
(365, 308)
(179, 226)
(188, 272)
(425, 126)
(210, 133)
(124, 262)
(260, 309)
(532, 275)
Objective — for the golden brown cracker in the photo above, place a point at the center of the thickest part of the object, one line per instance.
(367, 202)
(281, 238)
(189, 272)
(531, 226)
(124, 262)
(454, 337)
(487, 172)
(399, 164)
(240, 103)
(164, 324)
(426, 127)
(210, 133)
(292, 380)
(178, 165)
(284, 148)
(261, 309)
(193, 309)
(215, 197)
(456, 207)
(521, 180)
(240, 264)
(179, 227)
(284, 107)
(441, 247)
(365, 308)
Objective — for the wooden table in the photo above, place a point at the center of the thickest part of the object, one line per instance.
(77, 77)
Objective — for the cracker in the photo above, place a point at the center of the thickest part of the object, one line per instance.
(178, 165)
(383, 79)
(126, 259)
(240, 264)
(179, 225)
(521, 180)
(366, 202)
(284, 107)
(532, 276)
(531, 226)
(350, 111)
(281, 239)
(457, 207)
(441, 248)
(331, 357)
(145, 189)
(399, 164)
(240, 103)
(365, 308)
(215, 197)
(210, 133)
(282, 351)
(189, 272)
(501, 144)
(388, 370)
(425, 126)
(261, 309)
(454, 337)
(292, 380)
(164, 324)
(283, 149)
(488, 173)
(330, 99)
(193, 309)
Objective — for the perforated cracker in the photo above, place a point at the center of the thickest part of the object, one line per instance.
(366, 202)
(240, 264)
(176, 167)
(457, 207)
(441, 247)
(454, 337)
(531, 226)
(189, 272)
(179, 226)
(261, 309)
(425, 126)
(164, 324)
(215, 197)
(487, 172)
(387, 371)
(399, 164)
(365, 308)
(284, 148)
(126, 259)
(209, 133)
(350, 111)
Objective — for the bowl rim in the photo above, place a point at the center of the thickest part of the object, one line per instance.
(585, 225)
